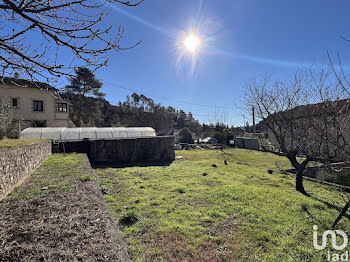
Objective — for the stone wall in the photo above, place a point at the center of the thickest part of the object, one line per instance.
(17, 164)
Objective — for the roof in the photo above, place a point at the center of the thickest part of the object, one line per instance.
(64, 134)
(326, 108)
(26, 83)
(246, 138)
(207, 139)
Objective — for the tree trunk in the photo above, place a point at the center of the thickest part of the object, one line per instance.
(341, 214)
(299, 186)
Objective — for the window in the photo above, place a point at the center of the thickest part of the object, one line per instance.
(15, 102)
(38, 106)
(61, 107)
(39, 123)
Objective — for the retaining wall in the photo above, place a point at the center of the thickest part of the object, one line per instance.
(140, 150)
(17, 164)
(159, 149)
(341, 177)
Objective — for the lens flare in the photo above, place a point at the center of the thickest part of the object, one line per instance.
(192, 43)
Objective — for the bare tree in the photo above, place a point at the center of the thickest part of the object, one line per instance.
(307, 117)
(9, 122)
(38, 36)
(6, 118)
(345, 85)
(346, 198)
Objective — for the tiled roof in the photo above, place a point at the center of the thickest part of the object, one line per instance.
(25, 83)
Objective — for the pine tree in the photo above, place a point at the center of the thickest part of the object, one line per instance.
(85, 94)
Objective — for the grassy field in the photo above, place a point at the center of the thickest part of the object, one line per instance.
(194, 211)
(10, 143)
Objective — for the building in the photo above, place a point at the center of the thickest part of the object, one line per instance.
(37, 104)
(319, 130)
(247, 142)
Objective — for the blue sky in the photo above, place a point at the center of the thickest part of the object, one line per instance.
(242, 39)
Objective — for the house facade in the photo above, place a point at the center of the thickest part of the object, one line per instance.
(320, 130)
(36, 104)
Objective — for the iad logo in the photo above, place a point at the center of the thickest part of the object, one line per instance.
(333, 237)
(333, 234)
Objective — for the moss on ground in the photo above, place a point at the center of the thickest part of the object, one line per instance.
(11, 143)
(236, 212)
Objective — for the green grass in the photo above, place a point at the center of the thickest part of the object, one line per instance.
(54, 174)
(272, 222)
(11, 143)
(86, 178)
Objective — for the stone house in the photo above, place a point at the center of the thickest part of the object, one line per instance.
(321, 128)
(37, 104)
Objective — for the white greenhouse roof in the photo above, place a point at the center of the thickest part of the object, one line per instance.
(90, 133)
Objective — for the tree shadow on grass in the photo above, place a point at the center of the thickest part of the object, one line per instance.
(330, 205)
(319, 222)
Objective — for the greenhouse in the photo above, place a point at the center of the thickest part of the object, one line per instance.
(63, 134)
(117, 145)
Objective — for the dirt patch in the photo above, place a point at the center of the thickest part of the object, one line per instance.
(161, 246)
(128, 220)
(173, 247)
(224, 247)
(70, 225)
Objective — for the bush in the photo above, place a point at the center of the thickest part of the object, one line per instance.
(185, 136)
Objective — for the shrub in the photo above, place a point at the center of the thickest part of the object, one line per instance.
(185, 136)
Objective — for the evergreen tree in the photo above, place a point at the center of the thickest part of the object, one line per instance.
(87, 99)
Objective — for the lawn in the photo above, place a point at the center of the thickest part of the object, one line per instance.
(192, 210)
(11, 143)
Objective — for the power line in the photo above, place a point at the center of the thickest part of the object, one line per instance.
(208, 116)
(164, 98)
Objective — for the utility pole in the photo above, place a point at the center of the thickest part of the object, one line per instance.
(254, 128)
(244, 125)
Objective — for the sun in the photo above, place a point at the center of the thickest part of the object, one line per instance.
(192, 43)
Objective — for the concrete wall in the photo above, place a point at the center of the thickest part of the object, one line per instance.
(17, 164)
(140, 150)
(273, 141)
(341, 177)
(158, 149)
(25, 111)
(248, 143)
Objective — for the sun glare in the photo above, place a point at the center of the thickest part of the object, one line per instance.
(192, 43)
